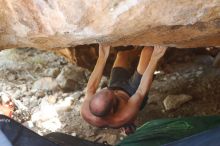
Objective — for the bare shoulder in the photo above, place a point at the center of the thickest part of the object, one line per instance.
(128, 113)
(120, 118)
(93, 120)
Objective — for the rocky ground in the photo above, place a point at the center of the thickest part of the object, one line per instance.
(48, 91)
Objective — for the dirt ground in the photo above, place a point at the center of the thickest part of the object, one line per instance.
(26, 73)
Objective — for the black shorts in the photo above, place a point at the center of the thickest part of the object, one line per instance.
(120, 79)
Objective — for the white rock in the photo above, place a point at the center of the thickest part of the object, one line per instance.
(71, 78)
(110, 138)
(52, 124)
(198, 73)
(11, 77)
(23, 88)
(40, 94)
(64, 105)
(77, 95)
(65, 94)
(73, 134)
(46, 112)
(173, 78)
(17, 94)
(52, 99)
(4, 97)
(175, 101)
(28, 124)
(46, 84)
(52, 72)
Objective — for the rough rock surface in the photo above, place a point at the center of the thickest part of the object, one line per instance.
(72, 78)
(47, 84)
(175, 101)
(50, 24)
(52, 72)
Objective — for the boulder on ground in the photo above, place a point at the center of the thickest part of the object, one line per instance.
(175, 101)
(46, 84)
(52, 72)
(72, 78)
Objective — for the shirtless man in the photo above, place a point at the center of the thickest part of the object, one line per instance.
(118, 105)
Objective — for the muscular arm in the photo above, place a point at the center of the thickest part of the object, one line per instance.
(132, 108)
(96, 75)
(92, 86)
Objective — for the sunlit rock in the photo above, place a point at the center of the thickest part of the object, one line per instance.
(50, 24)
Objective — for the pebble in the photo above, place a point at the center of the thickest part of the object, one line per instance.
(28, 124)
(198, 73)
(164, 78)
(40, 94)
(11, 77)
(200, 68)
(173, 78)
(77, 95)
(73, 134)
(186, 75)
(9, 88)
(23, 88)
(177, 74)
(30, 93)
(65, 94)
(17, 94)
(52, 99)
(33, 101)
(52, 72)
(110, 138)
(4, 97)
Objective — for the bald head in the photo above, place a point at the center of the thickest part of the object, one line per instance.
(101, 103)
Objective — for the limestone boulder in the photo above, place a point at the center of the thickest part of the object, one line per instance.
(72, 78)
(45, 84)
(175, 101)
(48, 24)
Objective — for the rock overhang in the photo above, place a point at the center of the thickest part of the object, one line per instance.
(50, 24)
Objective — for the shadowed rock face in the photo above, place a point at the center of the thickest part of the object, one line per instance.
(50, 24)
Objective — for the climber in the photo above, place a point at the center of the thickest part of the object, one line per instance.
(117, 105)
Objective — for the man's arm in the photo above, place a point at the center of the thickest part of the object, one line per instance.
(92, 86)
(147, 77)
(134, 103)
(96, 75)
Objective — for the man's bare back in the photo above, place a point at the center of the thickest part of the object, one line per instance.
(117, 107)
